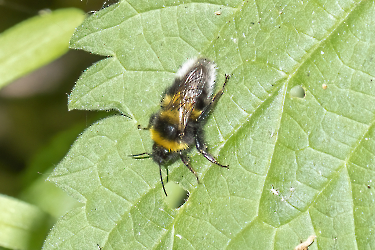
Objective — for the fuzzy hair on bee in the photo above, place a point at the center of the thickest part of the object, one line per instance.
(178, 125)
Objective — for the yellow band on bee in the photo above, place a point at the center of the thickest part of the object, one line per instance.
(172, 146)
(166, 100)
(195, 115)
(172, 116)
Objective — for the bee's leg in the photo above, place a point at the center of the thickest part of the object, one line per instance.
(152, 118)
(147, 155)
(161, 179)
(203, 150)
(185, 160)
(214, 100)
(220, 92)
(142, 128)
(167, 174)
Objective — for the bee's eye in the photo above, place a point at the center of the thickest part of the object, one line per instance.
(170, 131)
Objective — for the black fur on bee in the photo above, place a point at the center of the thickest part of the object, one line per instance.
(179, 123)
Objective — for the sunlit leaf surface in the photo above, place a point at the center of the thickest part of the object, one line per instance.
(300, 163)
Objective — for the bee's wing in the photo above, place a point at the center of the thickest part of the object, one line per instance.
(184, 100)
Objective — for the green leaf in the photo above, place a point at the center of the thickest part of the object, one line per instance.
(300, 164)
(41, 193)
(35, 42)
(22, 226)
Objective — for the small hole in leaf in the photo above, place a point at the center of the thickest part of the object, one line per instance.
(177, 196)
(297, 91)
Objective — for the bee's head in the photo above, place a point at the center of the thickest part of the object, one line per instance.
(161, 155)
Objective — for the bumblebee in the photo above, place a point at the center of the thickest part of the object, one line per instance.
(179, 123)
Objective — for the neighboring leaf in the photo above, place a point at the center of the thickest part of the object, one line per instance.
(35, 42)
(299, 166)
(41, 193)
(22, 226)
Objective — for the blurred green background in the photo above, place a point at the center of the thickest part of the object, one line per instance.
(36, 128)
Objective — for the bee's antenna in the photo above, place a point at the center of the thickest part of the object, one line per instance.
(161, 178)
(148, 155)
